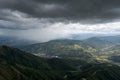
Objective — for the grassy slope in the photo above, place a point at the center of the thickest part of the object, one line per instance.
(62, 48)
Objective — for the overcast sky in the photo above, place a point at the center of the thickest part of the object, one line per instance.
(43, 20)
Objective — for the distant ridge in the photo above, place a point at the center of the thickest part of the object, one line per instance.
(98, 42)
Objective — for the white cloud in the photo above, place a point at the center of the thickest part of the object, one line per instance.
(64, 30)
(76, 28)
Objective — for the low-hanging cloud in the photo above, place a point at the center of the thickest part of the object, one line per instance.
(60, 30)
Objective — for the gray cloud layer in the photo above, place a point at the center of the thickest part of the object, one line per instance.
(44, 20)
(70, 9)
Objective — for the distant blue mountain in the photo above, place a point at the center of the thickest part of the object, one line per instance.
(113, 39)
(12, 41)
(82, 36)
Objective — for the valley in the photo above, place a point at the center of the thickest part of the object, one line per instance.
(90, 59)
(94, 47)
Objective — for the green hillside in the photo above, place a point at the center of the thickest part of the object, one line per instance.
(61, 48)
(19, 65)
(98, 43)
(113, 39)
(103, 71)
(104, 48)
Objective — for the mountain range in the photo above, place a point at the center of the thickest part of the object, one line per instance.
(61, 48)
(19, 65)
(95, 58)
(98, 47)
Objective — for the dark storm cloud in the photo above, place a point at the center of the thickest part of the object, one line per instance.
(68, 9)
(44, 20)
